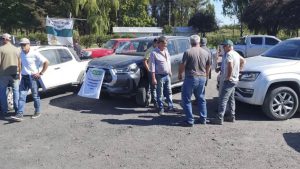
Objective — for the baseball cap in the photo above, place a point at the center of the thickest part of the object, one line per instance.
(227, 42)
(203, 41)
(24, 41)
(6, 36)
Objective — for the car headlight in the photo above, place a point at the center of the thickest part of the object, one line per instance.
(132, 68)
(249, 76)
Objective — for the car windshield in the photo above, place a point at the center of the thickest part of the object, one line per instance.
(109, 44)
(135, 47)
(289, 49)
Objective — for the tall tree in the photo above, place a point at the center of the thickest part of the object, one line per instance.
(134, 13)
(235, 8)
(205, 20)
(97, 14)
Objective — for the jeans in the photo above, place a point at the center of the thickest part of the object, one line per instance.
(5, 81)
(196, 86)
(226, 97)
(151, 90)
(164, 88)
(27, 82)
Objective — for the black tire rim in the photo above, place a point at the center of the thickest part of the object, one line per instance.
(283, 104)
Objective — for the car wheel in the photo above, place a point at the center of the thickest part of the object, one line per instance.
(10, 99)
(140, 97)
(281, 103)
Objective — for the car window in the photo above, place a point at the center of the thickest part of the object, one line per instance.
(64, 55)
(171, 47)
(183, 45)
(109, 44)
(51, 56)
(271, 41)
(289, 49)
(256, 40)
(242, 41)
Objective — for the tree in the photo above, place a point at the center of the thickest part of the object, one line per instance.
(96, 12)
(205, 20)
(135, 13)
(235, 8)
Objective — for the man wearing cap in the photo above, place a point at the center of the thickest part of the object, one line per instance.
(31, 72)
(196, 64)
(230, 69)
(9, 72)
(150, 88)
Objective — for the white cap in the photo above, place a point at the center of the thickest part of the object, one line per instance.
(6, 36)
(24, 41)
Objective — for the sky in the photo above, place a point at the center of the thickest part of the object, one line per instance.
(223, 20)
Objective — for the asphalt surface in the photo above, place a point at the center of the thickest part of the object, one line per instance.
(75, 132)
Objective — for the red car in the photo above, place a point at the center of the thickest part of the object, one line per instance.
(108, 48)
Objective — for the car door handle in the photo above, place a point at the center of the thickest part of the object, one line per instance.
(56, 68)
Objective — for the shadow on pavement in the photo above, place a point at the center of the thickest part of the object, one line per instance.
(293, 140)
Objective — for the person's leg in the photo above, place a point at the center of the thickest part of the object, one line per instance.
(4, 80)
(15, 88)
(186, 94)
(231, 106)
(148, 86)
(23, 90)
(200, 96)
(152, 90)
(227, 90)
(159, 92)
(35, 95)
(168, 92)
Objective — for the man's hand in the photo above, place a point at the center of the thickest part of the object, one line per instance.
(154, 82)
(180, 76)
(36, 76)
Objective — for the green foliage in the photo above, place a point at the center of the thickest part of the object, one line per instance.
(167, 29)
(88, 40)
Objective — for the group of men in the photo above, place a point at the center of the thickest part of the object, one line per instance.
(21, 69)
(195, 65)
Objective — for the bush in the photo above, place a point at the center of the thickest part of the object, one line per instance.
(88, 40)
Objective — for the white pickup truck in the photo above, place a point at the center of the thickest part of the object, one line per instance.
(65, 68)
(253, 45)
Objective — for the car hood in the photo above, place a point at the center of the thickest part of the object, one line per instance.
(263, 64)
(115, 61)
(97, 49)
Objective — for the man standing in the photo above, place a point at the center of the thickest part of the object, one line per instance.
(196, 64)
(9, 72)
(150, 88)
(31, 63)
(230, 69)
(161, 74)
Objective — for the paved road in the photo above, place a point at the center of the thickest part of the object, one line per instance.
(76, 132)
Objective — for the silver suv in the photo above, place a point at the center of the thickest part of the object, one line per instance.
(272, 80)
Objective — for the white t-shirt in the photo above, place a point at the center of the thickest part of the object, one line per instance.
(31, 62)
(233, 57)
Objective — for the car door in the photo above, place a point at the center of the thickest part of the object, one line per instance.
(52, 77)
(255, 47)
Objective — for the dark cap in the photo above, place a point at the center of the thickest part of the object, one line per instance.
(203, 41)
(227, 42)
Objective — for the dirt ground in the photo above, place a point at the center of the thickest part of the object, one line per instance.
(75, 132)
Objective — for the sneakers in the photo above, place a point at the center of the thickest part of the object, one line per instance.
(18, 117)
(229, 119)
(171, 110)
(161, 112)
(186, 124)
(36, 115)
(215, 121)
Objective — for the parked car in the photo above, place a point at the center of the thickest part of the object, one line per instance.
(108, 48)
(272, 80)
(65, 68)
(125, 73)
(253, 45)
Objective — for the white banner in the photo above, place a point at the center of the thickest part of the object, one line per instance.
(59, 31)
(91, 86)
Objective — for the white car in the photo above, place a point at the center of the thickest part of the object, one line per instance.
(65, 68)
(272, 80)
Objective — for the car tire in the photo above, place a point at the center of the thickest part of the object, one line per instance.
(10, 99)
(140, 97)
(281, 103)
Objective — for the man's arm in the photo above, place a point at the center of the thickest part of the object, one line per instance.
(181, 70)
(242, 62)
(229, 70)
(146, 65)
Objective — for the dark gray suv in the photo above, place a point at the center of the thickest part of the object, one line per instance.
(125, 73)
